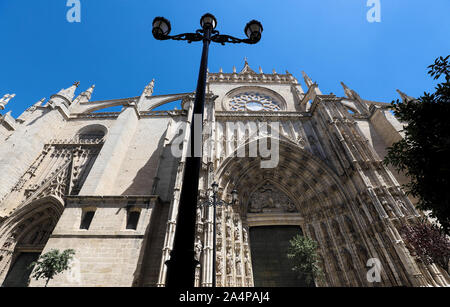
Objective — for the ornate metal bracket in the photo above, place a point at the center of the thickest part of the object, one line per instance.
(199, 35)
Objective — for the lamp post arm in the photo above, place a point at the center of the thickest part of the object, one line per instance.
(189, 37)
(222, 39)
(201, 35)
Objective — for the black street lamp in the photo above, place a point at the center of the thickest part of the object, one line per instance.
(182, 263)
(214, 203)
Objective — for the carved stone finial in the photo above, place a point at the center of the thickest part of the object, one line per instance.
(76, 83)
(246, 69)
(37, 104)
(405, 97)
(348, 92)
(148, 91)
(85, 96)
(307, 79)
(4, 101)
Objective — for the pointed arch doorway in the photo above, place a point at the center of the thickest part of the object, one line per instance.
(300, 191)
(273, 221)
(26, 233)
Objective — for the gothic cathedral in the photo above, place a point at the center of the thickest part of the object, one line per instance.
(75, 175)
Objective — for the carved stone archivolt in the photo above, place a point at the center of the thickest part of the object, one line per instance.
(27, 229)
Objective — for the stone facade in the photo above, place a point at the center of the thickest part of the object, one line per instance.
(74, 177)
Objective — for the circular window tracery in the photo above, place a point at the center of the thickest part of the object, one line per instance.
(253, 101)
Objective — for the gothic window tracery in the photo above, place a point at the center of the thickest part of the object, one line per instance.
(254, 102)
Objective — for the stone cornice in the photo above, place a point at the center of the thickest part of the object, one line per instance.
(116, 201)
(280, 115)
(168, 113)
(102, 198)
(95, 115)
(251, 77)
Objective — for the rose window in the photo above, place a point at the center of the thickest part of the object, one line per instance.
(252, 101)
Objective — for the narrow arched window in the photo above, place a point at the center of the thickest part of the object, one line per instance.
(133, 215)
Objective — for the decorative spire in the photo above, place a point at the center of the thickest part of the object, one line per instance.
(246, 69)
(307, 79)
(68, 93)
(260, 70)
(405, 97)
(348, 92)
(148, 91)
(351, 94)
(85, 96)
(273, 71)
(221, 70)
(40, 102)
(234, 69)
(37, 104)
(4, 101)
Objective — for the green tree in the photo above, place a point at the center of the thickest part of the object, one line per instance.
(424, 153)
(51, 264)
(305, 260)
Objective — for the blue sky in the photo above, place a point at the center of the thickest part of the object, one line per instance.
(113, 47)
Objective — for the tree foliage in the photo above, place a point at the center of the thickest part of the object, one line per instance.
(51, 264)
(424, 153)
(303, 254)
(427, 243)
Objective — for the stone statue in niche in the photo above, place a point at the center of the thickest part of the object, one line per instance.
(198, 248)
(387, 207)
(238, 267)
(228, 231)
(219, 229)
(244, 235)
(229, 262)
(247, 263)
(237, 233)
(267, 198)
(219, 265)
(402, 206)
(199, 215)
(237, 249)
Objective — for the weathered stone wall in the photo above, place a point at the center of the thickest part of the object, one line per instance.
(139, 167)
(107, 254)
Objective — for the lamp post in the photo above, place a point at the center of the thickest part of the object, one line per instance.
(182, 263)
(214, 203)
